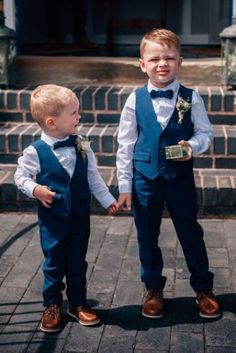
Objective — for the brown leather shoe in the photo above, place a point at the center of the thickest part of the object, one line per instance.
(153, 304)
(51, 319)
(84, 314)
(208, 306)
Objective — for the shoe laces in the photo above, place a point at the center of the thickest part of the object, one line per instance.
(52, 311)
(154, 293)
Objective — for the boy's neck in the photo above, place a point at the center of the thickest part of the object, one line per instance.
(53, 135)
(162, 86)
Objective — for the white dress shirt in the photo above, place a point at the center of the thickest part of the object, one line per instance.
(163, 107)
(29, 166)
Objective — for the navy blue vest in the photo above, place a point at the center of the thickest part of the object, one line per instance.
(149, 151)
(71, 193)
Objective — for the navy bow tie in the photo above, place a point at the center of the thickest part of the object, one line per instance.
(70, 142)
(161, 94)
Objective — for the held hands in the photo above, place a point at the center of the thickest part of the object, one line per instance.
(124, 204)
(124, 201)
(113, 208)
(189, 150)
(44, 194)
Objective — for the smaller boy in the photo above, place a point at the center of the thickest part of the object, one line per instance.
(65, 170)
(156, 116)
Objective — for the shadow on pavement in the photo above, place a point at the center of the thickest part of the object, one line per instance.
(178, 311)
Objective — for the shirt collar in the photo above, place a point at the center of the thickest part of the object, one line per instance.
(50, 140)
(173, 85)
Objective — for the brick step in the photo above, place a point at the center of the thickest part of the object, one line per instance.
(103, 103)
(14, 137)
(216, 191)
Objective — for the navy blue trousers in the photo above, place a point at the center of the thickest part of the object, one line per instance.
(64, 242)
(179, 194)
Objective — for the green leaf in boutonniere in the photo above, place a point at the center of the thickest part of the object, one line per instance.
(83, 145)
(182, 106)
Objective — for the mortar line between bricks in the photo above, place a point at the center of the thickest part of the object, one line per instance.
(93, 97)
(119, 98)
(114, 138)
(106, 98)
(209, 100)
(35, 133)
(20, 136)
(232, 181)
(5, 177)
(90, 130)
(111, 177)
(6, 137)
(222, 100)
(100, 138)
(226, 140)
(81, 96)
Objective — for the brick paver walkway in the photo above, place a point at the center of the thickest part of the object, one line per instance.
(115, 290)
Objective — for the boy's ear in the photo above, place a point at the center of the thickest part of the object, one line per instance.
(142, 65)
(50, 123)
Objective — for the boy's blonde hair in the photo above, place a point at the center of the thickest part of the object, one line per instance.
(49, 100)
(162, 36)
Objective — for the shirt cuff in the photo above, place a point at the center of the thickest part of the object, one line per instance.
(29, 187)
(194, 146)
(125, 186)
(107, 200)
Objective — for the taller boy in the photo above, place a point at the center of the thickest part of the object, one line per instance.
(153, 118)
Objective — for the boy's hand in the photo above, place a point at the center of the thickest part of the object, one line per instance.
(44, 194)
(113, 208)
(189, 150)
(124, 201)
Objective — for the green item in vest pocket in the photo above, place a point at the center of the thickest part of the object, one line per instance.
(175, 151)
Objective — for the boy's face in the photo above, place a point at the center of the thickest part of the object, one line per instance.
(161, 63)
(67, 122)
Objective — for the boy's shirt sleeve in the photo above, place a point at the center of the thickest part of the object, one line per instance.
(96, 184)
(28, 167)
(127, 137)
(202, 131)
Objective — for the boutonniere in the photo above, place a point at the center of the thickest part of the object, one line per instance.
(83, 145)
(182, 106)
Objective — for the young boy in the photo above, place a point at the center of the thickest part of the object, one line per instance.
(160, 114)
(65, 170)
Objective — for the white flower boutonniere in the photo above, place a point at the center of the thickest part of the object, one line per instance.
(83, 145)
(182, 106)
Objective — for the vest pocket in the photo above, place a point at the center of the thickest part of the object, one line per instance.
(141, 156)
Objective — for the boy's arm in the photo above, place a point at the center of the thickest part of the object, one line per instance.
(97, 185)
(202, 134)
(28, 167)
(127, 138)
